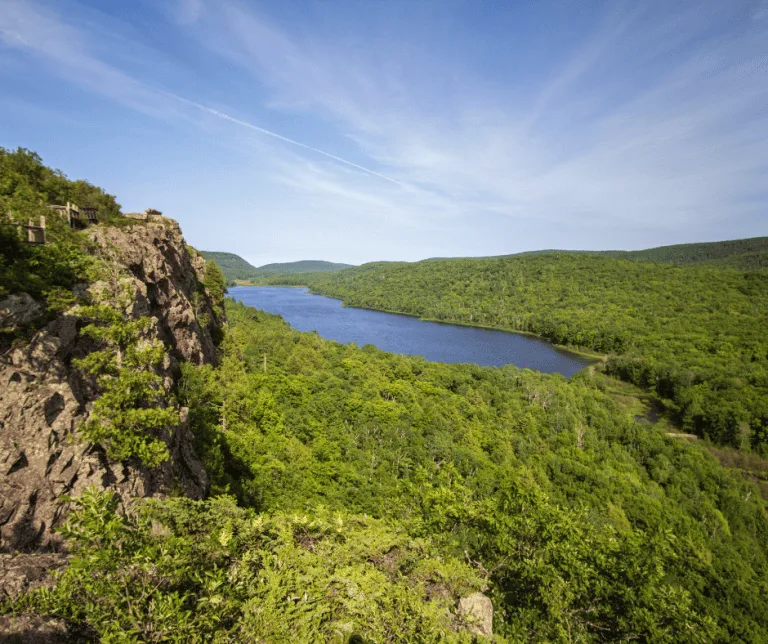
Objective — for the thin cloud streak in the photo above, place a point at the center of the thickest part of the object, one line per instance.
(256, 128)
(44, 34)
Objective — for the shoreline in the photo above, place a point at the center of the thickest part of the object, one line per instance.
(581, 352)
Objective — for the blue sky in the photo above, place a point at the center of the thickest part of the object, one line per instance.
(358, 131)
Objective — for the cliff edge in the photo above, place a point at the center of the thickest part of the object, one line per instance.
(45, 398)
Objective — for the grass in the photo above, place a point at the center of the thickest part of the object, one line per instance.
(640, 404)
(751, 466)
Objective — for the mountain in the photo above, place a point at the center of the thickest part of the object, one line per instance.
(697, 253)
(744, 254)
(235, 268)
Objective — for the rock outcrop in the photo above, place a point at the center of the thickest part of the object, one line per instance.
(168, 279)
(17, 311)
(477, 610)
(44, 399)
(34, 629)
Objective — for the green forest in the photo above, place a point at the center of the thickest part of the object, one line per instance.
(737, 253)
(27, 186)
(356, 492)
(48, 272)
(357, 495)
(588, 525)
(693, 335)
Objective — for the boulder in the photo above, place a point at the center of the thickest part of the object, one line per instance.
(18, 310)
(477, 611)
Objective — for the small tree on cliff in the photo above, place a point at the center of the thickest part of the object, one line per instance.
(133, 409)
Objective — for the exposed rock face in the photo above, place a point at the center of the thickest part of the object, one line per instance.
(167, 284)
(24, 572)
(44, 399)
(17, 311)
(478, 610)
(33, 629)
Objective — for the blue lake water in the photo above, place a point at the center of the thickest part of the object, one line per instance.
(403, 334)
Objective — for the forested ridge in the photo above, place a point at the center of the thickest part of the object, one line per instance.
(695, 335)
(738, 253)
(304, 266)
(233, 266)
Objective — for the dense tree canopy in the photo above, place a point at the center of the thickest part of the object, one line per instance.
(589, 526)
(374, 489)
(738, 253)
(694, 335)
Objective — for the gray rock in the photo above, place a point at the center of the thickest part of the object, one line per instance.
(18, 310)
(477, 610)
(44, 399)
(20, 573)
(167, 278)
(35, 629)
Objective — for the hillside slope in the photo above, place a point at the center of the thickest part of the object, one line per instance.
(233, 266)
(538, 481)
(304, 266)
(694, 334)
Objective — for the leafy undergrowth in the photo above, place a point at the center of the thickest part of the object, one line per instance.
(186, 571)
(375, 489)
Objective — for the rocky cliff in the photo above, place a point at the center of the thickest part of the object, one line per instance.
(45, 399)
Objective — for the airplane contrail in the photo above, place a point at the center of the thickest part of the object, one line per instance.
(251, 126)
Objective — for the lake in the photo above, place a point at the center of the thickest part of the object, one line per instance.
(408, 335)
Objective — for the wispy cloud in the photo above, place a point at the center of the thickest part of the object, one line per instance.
(43, 33)
(188, 11)
(653, 120)
(279, 137)
(676, 150)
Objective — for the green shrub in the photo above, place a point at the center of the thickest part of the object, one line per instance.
(186, 571)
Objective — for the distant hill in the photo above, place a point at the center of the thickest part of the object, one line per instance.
(304, 266)
(746, 262)
(235, 268)
(736, 253)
